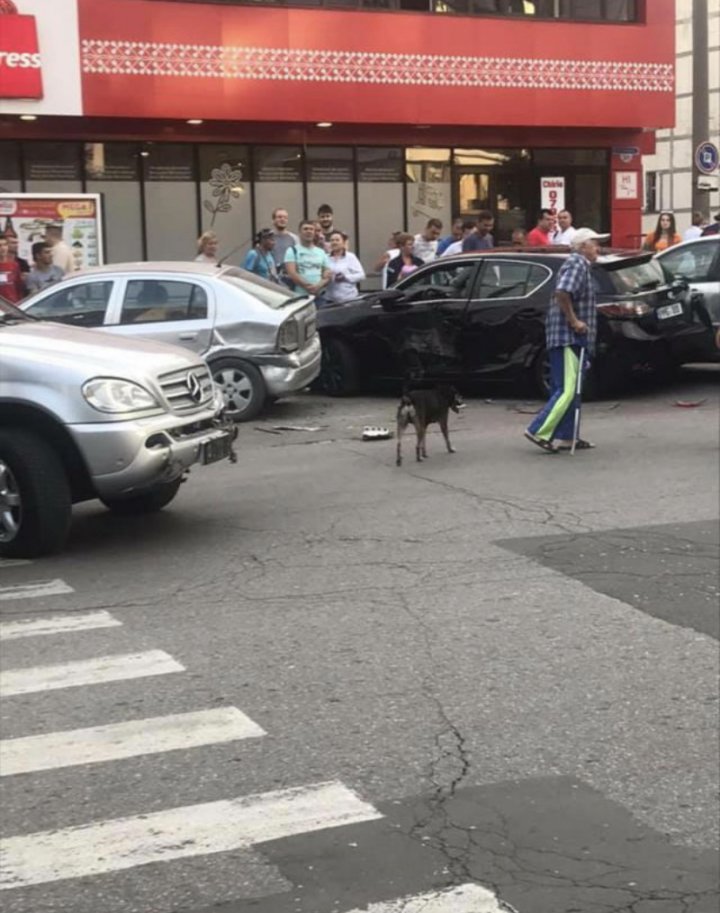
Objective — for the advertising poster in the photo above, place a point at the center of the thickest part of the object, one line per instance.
(27, 215)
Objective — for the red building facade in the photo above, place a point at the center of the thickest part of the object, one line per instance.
(391, 116)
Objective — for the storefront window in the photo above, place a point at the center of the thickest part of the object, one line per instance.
(381, 204)
(330, 175)
(113, 170)
(429, 188)
(278, 172)
(170, 201)
(53, 167)
(225, 197)
(10, 172)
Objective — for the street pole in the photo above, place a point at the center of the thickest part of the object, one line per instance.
(700, 96)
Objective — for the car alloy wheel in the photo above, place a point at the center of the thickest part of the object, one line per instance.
(10, 504)
(242, 386)
(237, 390)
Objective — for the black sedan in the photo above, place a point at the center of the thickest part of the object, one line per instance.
(480, 317)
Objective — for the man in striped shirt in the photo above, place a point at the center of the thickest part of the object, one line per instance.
(570, 331)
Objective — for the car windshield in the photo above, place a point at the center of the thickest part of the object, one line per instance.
(10, 314)
(270, 293)
(637, 277)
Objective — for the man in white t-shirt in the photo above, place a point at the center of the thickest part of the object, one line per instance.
(62, 254)
(696, 229)
(425, 246)
(565, 231)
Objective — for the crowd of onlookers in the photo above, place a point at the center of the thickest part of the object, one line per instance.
(52, 259)
(318, 260)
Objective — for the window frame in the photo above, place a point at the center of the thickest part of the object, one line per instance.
(159, 277)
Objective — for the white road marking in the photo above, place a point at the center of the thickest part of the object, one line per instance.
(57, 624)
(177, 833)
(87, 672)
(468, 898)
(13, 562)
(36, 590)
(125, 740)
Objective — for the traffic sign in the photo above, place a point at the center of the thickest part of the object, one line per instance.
(707, 158)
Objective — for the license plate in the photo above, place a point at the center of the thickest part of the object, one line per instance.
(216, 449)
(670, 310)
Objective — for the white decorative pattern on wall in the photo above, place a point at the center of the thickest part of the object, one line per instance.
(139, 58)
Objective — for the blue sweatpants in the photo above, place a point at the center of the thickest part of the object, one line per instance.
(557, 418)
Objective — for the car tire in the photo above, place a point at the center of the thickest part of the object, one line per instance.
(149, 502)
(35, 499)
(243, 387)
(339, 374)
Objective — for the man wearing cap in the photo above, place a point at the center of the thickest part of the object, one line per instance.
(570, 330)
(260, 259)
(61, 252)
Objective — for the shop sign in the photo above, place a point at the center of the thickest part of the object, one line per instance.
(329, 166)
(20, 63)
(552, 193)
(27, 215)
(278, 164)
(626, 185)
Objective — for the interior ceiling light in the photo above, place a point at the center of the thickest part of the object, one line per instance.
(324, 123)
(28, 117)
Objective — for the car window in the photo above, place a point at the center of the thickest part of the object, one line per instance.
(511, 279)
(80, 305)
(161, 300)
(455, 277)
(636, 277)
(691, 262)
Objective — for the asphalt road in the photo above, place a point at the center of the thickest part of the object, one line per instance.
(484, 682)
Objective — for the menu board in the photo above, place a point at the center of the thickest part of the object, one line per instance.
(27, 215)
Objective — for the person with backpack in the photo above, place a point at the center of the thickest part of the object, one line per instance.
(260, 259)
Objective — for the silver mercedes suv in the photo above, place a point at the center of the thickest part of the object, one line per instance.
(88, 415)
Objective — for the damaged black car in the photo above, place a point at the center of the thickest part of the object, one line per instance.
(478, 319)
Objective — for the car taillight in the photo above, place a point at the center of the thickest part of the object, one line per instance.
(288, 335)
(625, 309)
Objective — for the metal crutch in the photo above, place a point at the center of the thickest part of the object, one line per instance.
(578, 395)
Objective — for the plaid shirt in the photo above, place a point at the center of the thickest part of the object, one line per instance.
(574, 278)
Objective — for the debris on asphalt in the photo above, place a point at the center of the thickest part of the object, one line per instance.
(375, 433)
(612, 406)
(526, 409)
(300, 427)
(689, 403)
(267, 430)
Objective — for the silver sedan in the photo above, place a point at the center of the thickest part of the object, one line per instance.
(259, 339)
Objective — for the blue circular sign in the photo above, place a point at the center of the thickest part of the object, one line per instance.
(707, 158)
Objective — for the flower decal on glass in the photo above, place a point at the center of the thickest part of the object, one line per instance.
(226, 184)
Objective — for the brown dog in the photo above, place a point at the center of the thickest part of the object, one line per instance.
(421, 408)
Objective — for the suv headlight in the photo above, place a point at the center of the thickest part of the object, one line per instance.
(288, 336)
(109, 394)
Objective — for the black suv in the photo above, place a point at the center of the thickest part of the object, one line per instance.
(480, 317)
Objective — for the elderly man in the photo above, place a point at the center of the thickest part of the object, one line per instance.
(570, 331)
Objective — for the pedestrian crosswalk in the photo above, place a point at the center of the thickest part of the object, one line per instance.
(101, 847)
(57, 624)
(125, 740)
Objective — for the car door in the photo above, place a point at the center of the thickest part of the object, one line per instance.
(178, 311)
(426, 324)
(699, 263)
(505, 323)
(82, 303)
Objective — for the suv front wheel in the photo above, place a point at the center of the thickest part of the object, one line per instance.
(35, 500)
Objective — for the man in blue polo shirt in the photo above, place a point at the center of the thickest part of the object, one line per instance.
(570, 329)
(307, 265)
